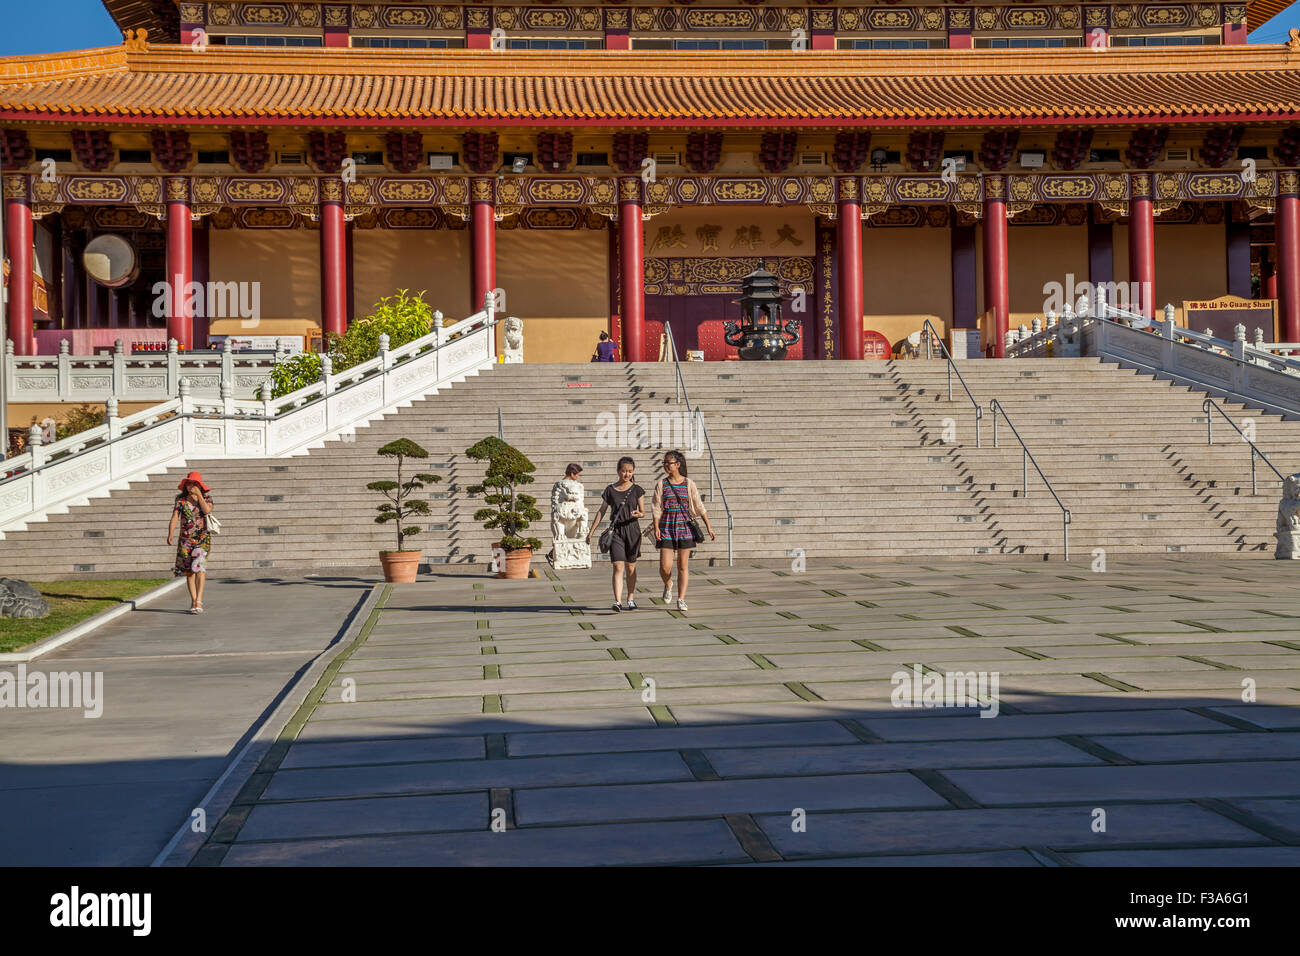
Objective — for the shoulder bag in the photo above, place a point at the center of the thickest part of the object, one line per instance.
(691, 523)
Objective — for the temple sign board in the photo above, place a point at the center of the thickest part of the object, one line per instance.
(1223, 314)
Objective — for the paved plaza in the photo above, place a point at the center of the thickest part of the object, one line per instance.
(759, 726)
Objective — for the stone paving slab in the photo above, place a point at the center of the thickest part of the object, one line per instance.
(784, 761)
(334, 818)
(1213, 856)
(802, 733)
(472, 723)
(1064, 784)
(716, 797)
(1184, 747)
(452, 776)
(373, 750)
(645, 844)
(482, 699)
(994, 858)
(1059, 828)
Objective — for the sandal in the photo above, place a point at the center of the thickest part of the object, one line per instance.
(198, 608)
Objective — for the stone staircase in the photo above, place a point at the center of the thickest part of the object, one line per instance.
(839, 460)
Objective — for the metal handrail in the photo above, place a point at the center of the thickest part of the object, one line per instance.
(1210, 403)
(952, 367)
(683, 398)
(995, 407)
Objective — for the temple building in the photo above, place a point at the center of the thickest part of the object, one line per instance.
(613, 166)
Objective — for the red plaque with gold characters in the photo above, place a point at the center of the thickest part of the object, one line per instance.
(875, 345)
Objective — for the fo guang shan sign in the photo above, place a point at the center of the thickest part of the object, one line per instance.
(1225, 313)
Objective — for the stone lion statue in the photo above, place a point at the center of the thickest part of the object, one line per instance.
(514, 340)
(1288, 519)
(569, 523)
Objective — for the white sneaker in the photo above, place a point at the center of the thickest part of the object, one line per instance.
(631, 605)
(668, 594)
(681, 605)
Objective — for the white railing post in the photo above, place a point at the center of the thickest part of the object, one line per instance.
(119, 368)
(173, 366)
(111, 419)
(489, 312)
(438, 338)
(327, 373)
(228, 415)
(268, 411)
(1259, 337)
(34, 441)
(63, 377)
(9, 370)
(384, 361)
(187, 413)
(1100, 295)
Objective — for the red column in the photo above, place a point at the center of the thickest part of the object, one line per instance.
(615, 290)
(1287, 226)
(848, 266)
(202, 321)
(997, 284)
(1142, 245)
(483, 241)
(1267, 276)
(631, 268)
(334, 264)
(180, 262)
(18, 247)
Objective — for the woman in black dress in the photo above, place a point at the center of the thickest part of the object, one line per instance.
(625, 501)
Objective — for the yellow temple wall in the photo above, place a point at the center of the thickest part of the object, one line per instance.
(433, 261)
(285, 261)
(557, 281)
(1191, 263)
(906, 279)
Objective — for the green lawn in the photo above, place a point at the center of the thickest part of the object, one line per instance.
(70, 603)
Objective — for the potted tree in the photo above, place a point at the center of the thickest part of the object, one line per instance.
(400, 566)
(511, 510)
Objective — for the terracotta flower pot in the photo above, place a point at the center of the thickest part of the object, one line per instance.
(517, 563)
(400, 567)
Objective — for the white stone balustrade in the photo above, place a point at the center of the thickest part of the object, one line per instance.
(149, 377)
(50, 478)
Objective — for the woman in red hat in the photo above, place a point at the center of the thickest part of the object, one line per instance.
(193, 505)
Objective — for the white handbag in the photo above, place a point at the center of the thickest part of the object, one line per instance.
(213, 524)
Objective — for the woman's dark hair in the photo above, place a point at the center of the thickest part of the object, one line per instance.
(604, 336)
(681, 461)
(625, 460)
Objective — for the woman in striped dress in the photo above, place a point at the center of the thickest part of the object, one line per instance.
(676, 501)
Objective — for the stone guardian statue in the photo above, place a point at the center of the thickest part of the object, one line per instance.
(514, 343)
(569, 522)
(1288, 520)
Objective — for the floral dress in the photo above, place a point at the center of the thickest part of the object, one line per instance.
(674, 525)
(195, 541)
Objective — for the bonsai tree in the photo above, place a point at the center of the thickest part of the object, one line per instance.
(511, 510)
(400, 504)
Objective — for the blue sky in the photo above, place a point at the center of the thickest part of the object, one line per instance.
(45, 26)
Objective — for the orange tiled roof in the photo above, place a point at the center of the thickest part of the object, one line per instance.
(472, 86)
(1259, 12)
